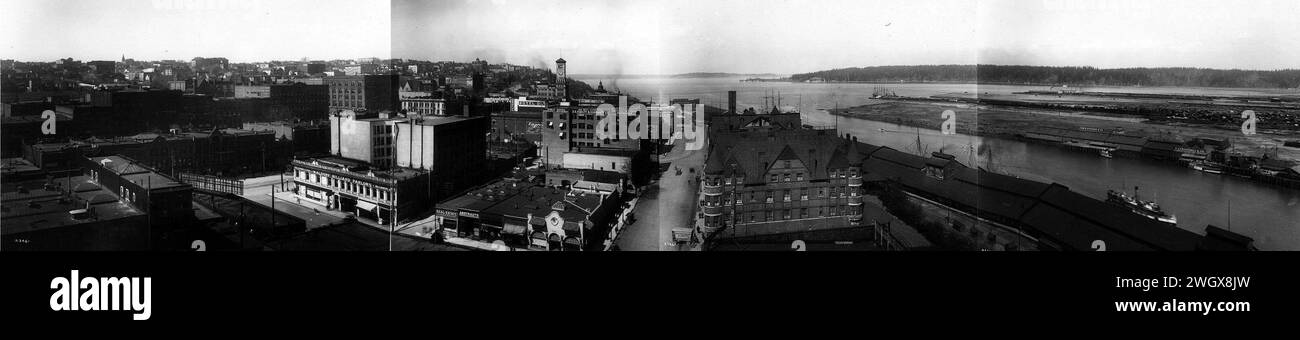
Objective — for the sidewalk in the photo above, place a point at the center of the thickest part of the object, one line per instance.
(315, 215)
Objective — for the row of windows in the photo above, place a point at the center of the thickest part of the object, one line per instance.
(788, 194)
(778, 215)
(785, 177)
(336, 91)
(354, 187)
(777, 178)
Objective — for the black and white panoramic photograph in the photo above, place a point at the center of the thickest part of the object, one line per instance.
(592, 125)
(1133, 159)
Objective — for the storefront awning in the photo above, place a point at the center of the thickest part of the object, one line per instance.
(367, 206)
(515, 229)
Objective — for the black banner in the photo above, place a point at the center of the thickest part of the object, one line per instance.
(382, 287)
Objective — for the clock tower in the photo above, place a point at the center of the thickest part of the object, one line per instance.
(562, 78)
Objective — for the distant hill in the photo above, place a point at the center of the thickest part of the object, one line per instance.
(681, 75)
(723, 75)
(1069, 75)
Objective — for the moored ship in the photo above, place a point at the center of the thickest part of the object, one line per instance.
(1206, 167)
(1148, 209)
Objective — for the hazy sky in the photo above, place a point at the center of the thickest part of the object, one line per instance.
(241, 30)
(670, 36)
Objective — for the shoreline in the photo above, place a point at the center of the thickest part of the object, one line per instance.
(1012, 125)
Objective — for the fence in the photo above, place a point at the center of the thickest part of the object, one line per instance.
(214, 183)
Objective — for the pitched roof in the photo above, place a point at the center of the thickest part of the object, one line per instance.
(755, 151)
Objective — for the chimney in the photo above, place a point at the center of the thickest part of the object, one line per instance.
(731, 102)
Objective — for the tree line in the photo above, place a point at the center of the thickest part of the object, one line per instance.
(1057, 75)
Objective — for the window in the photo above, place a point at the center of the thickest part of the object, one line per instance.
(786, 177)
(803, 213)
(774, 178)
(799, 177)
(787, 195)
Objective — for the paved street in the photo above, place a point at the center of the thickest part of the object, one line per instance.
(259, 190)
(669, 203)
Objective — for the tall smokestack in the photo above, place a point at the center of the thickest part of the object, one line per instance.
(731, 102)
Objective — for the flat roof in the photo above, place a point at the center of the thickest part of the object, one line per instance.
(137, 173)
(439, 120)
(517, 114)
(539, 202)
(40, 208)
(362, 168)
(15, 165)
(485, 196)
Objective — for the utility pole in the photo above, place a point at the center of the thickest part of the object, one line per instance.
(273, 211)
(393, 221)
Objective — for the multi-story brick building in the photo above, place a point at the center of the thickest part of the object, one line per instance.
(454, 148)
(568, 128)
(778, 180)
(347, 185)
(227, 152)
(364, 93)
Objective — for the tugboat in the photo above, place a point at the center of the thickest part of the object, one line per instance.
(1148, 209)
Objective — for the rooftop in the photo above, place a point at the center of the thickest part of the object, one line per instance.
(540, 201)
(44, 206)
(517, 114)
(10, 166)
(361, 168)
(439, 120)
(1070, 219)
(485, 196)
(136, 173)
(520, 199)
